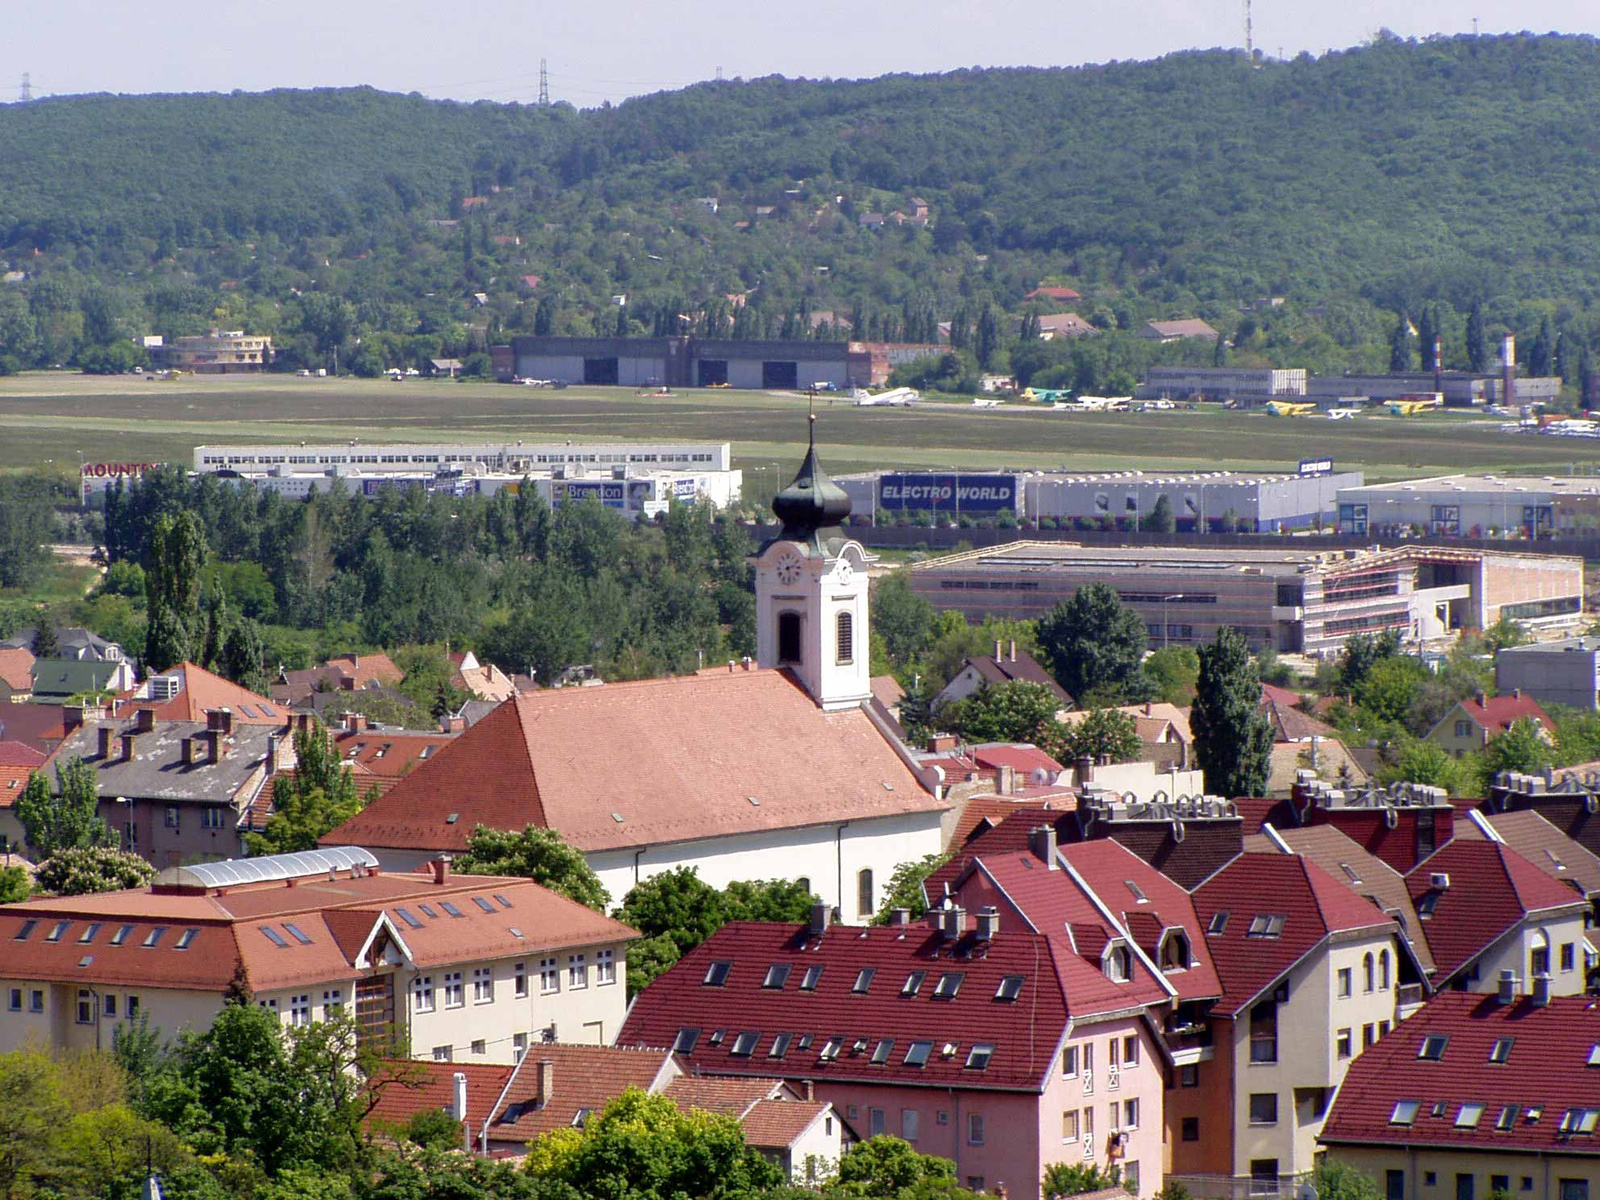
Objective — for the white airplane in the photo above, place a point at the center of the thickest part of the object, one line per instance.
(1157, 406)
(979, 402)
(1342, 414)
(1102, 403)
(893, 398)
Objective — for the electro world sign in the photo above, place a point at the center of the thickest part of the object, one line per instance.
(947, 493)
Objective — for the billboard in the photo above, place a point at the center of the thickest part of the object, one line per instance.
(947, 493)
(611, 493)
(1316, 466)
(97, 477)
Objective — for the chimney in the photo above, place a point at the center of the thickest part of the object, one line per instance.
(213, 739)
(144, 720)
(1482, 698)
(900, 916)
(988, 923)
(441, 868)
(808, 1089)
(128, 740)
(1508, 986)
(347, 683)
(452, 723)
(1006, 781)
(547, 1082)
(1316, 749)
(302, 722)
(1541, 990)
(749, 663)
(1508, 370)
(219, 720)
(1013, 649)
(106, 733)
(458, 1109)
(1148, 711)
(1085, 765)
(731, 665)
(1516, 693)
(1042, 842)
(997, 657)
(186, 747)
(353, 722)
(940, 742)
(955, 920)
(820, 913)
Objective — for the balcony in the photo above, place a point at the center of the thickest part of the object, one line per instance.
(1408, 997)
(1189, 1044)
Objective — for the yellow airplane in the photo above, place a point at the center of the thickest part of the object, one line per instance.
(1409, 408)
(1283, 408)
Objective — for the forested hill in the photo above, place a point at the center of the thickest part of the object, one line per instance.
(1395, 175)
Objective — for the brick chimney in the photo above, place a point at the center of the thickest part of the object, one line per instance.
(354, 722)
(107, 734)
(213, 741)
(441, 868)
(808, 1089)
(547, 1082)
(452, 723)
(219, 719)
(186, 751)
(144, 720)
(128, 740)
(940, 742)
(820, 915)
(1006, 780)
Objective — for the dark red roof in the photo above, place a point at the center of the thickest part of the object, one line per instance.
(1492, 890)
(418, 1087)
(1022, 667)
(1051, 291)
(1497, 713)
(1011, 833)
(1023, 1032)
(1550, 1069)
(1290, 722)
(1309, 902)
(42, 726)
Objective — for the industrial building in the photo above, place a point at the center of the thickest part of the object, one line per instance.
(1565, 672)
(1219, 383)
(510, 457)
(785, 365)
(1474, 505)
(215, 353)
(1211, 500)
(1289, 599)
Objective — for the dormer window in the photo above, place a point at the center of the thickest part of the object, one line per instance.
(1117, 963)
(1175, 950)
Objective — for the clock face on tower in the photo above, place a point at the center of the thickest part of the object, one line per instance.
(788, 567)
(843, 571)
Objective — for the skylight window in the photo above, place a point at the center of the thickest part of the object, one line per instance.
(1010, 988)
(913, 983)
(154, 937)
(1427, 904)
(813, 975)
(186, 939)
(777, 976)
(274, 937)
(1580, 1120)
(581, 1117)
(717, 973)
(428, 912)
(1594, 1055)
(745, 1044)
(247, 711)
(805, 1041)
(1138, 892)
(978, 1057)
(1501, 1050)
(1432, 1047)
(1405, 1112)
(89, 933)
(451, 909)
(121, 935)
(55, 933)
(830, 1051)
(716, 1037)
(1468, 1116)
(780, 1046)
(864, 980)
(405, 915)
(26, 931)
(686, 1040)
(483, 904)
(1219, 922)
(1265, 925)
(949, 985)
(501, 900)
(266, 710)
(297, 933)
(881, 1052)
(1350, 872)
(1508, 1117)
(917, 1056)
(1551, 855)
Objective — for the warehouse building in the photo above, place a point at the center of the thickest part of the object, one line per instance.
(1211, 500)
(428, 457)
(1460, 389)
(1219, 383)
(1474, 505)
(1288, 599)
(679, 362)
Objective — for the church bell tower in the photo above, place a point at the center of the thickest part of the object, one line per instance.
(811, 590)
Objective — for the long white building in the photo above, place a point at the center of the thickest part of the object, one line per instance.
(509, 457)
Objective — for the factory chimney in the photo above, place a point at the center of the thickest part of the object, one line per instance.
(1508, 370)
(1438, 366)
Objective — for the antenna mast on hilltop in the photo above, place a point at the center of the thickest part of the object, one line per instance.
(26, 93)
(544, 83)
(1249, 34)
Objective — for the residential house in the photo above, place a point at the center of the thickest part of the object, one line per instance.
(448, 367)
(73, 641)
(1471, 723)
(1542, 844)
(462, 967)
(871, 220)
(774, 768)
(1063, 325)
(979, 1040)
(1568, 799)
(1163, 731)
(41, 726)
(1309, 976)
(16, 673)
(58, 680)
(18, 762)
(178, 791)
(350, 672)
(1177, 331)
(484, 680)
(188, 692)
(1565, 672)
(1478, 1096)
(979, 672)
(1054, 292)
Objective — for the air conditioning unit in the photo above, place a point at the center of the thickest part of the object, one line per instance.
(1439, 881)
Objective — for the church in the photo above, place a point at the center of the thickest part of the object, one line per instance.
(771, 769)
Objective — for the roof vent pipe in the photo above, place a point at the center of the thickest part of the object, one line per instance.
(1508, 986)
(1541, 990)
(988, 923)
(819, 919)
(1042, 841)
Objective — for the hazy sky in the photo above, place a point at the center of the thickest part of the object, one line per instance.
(609, 49)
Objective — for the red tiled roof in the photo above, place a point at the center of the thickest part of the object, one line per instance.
(388, 754)
(1022, 758)
(201, 690)
(584, 1077)
(1023, 1032)
(1310, 902)
(1023, 667)
(16, 668)
(1011, 834)
(1497, 713)
(1290, 722)
(42, 726)
(1492, 889)
(1548, 1068)
(351, 672)
(731, 1097)
(18, 761)
(1537, 840)
(420, 1087)
(777, 1124)
(1050, 291)
(980, 814)
(541, 759)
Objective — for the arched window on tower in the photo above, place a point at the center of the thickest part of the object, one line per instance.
(1383, 971)
(1366, 973)
(864, 897)
(845, 636)
(788, 638)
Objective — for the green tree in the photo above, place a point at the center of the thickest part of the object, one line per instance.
(27, 521)
(1335, 1180)
(1427, 332)
(173, 566)
(1392, 686)
(1161, 519)
(1074, 1179)
(1400, 344)
(1541, 355)
(644, 1147)
(1504, 634)
(1100, 733)
(1477, 340)
(15, 886)
(33, 1114)
(1524, 746)
(905, 887)
(1095, 643)
(45, 644)
(319, 797)
(84, 870)
(1172, 671)
(538, 854)
(1014, 711)
(241, 658)
(986, 342)
(677, 904)
(1361, 652)
(1421, 761)
(66, 817)
(782, 900)
(901, 617)
(1232, 738)
(885, 1166)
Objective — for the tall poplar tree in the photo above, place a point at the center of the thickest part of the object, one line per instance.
(1232, 739)
(1477, 340)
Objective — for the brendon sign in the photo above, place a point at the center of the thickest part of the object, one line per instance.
(948, 493)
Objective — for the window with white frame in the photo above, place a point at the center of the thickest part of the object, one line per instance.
(1069, 1061)
(454, 993)
(443, 1053)
(577, 971)
(605, 966)
(483, 985)
(549, 976)
(519, 1046)
(422, 994)
(332, 1003)
(1130, 1114)
(519, 980)
(300, 1009)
